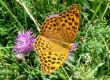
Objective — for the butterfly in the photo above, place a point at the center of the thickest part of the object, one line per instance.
(57, 33)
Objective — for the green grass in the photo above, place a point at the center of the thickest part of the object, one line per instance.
(89, 62)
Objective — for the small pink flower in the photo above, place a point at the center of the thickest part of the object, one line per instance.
(52, 15)
(24, 43)
(74, 45)
(70, 52)
(84, 7)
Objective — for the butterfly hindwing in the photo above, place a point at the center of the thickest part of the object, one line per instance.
(51, 55)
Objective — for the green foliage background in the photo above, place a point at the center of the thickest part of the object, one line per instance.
(91, 60)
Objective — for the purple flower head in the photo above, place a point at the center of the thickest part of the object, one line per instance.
(70, 52)
(74, 46)
(24, 42)
(52, 15)
(84, 7)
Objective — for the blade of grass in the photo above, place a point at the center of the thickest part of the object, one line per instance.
(105, 11)
(4, 5)
(96, 11)
(33, 19)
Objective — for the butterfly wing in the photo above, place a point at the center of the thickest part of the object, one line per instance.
(64, 27)
(51, 55)
(50, 29)
(69, 22)
(61, 30)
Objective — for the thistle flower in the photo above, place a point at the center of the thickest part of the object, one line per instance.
(70, 52)
(24, 43)
(52, 15)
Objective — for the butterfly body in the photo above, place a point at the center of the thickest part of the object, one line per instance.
(62, 43)
(57, 33)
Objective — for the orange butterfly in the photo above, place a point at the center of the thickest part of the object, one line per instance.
(57, 33)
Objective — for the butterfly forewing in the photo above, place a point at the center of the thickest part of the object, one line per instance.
(64, 27)
(69, 23)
